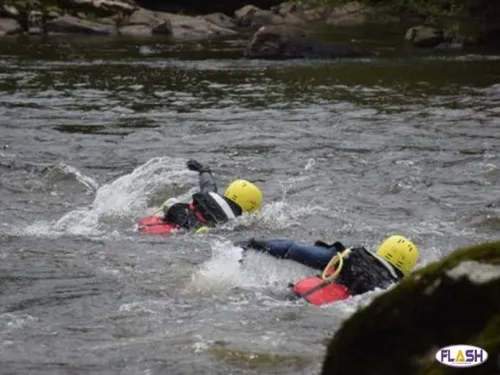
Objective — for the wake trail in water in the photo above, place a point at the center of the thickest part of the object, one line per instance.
(120, 200)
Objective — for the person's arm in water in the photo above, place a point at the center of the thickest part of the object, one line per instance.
(207, 181)
(207, 184)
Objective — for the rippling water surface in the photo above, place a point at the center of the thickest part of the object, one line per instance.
(94, 133)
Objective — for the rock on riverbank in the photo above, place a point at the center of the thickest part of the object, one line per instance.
(291, 42)
(455, 301)
(113, 17)
(126, 17)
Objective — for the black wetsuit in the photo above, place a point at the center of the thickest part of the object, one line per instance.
(208, 208)
(363, 271)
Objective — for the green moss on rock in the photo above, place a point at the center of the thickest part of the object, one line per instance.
(454, 301)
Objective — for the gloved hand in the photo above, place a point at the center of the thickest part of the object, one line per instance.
(194, 165)
(337, 246)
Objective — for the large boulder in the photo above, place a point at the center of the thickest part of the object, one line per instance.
(146, 23)
(290, 42)
(254, 17)
(180, 27)
(73, 25)
(195, 28)
(9, 26)
(455, 301)
(424, 36)
(220, 19)
(285, 13)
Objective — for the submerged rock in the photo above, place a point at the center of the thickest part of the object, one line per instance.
(424, 36)
(289, 42)
(455, 301)
(427, 36)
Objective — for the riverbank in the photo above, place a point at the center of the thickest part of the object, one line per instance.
(290, 21)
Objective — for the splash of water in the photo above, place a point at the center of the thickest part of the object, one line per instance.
(129, 194)
(224, 270)
(260, 271)
(62, 170)
(280, 214)
(124, 198)
(273, 216)
(352, 304)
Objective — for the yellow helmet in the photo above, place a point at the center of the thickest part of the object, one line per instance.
(245, 194)
(399, 252)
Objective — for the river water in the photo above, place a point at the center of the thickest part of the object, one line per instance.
(96, 132)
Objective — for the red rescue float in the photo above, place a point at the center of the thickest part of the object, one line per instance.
(323, 290)
(318, 292)
(156, 225)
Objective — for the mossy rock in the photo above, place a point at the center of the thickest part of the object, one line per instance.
(454, 301)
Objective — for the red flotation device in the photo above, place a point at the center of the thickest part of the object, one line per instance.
(319, 292)
(322, 290)
(156, 225)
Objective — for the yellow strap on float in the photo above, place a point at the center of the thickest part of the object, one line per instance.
(203, 229)
(336, 261)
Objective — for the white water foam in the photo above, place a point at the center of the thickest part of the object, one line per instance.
(258, 270)
(280, 214)
(125, 197)
(274, 216)
(10, 321)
